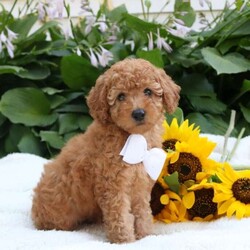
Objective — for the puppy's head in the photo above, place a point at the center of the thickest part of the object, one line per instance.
(133, 94)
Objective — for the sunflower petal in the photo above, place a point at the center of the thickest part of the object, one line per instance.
(166, 221)
(232, 208)
(226, 189)
(164, 199)
(201, 176)
(175, 157)
(230, 173)
(188, 200)
(222, 177)
(182, 211)
(198, 219)
(209, 217)
(165, 213)
(221, 197)
(241, 210)
(174, 196)
(173, 207)
(247, 214)
(223, 208)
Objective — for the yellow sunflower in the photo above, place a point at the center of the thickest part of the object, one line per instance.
(184, 162)
(190, 158)
(174, 210)
(198, 200)
(174, 133)
(233, 193)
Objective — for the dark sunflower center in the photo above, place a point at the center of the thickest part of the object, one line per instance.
(187, 167)
(155, 202)
(203, 205)
(241, 190)
(169, 144)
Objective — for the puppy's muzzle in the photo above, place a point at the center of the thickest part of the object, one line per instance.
(138, 115)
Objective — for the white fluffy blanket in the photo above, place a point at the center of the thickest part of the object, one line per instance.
(19, 174)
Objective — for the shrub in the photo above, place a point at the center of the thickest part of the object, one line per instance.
(45, 74)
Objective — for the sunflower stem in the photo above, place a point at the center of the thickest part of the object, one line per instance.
(230, 156)
(229, 131)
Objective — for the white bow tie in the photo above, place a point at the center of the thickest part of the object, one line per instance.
(135, 151)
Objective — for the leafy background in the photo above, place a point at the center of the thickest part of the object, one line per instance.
(43, 87)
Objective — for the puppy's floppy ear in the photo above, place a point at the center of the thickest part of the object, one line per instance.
(97, 101)
(170, 92)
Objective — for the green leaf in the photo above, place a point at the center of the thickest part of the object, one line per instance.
(84, 121)
(243, 90)
(178, 114)
(29, 143)
(73, 108)
(212, 124)
(38, 35)
(4, 127)
(2, 119)
(23, 25)
(15, 132)
(94, 37)
(51, 91)
(56, 101)
(28, 106)
(70, 96)
(179, 56)
(245, 43)
(21, 138)
(117, 14)
(243, 29)
(189, 183)
(77, 72)
(8, 69)
(196, 85)
(154, 56)
(72, 122)
(68, 123)
(189, 15)
(207, 104)
(245, 86)
(238, 4)
(35, 72)
(229, 64)
(52, 138)
(226, 45)
(215, 178)
(59, 52)
(135, 23)
(119, 51)
(246, 112)
(173, 182)
(68, 136)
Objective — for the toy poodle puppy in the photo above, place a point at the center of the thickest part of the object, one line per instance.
(89, 181)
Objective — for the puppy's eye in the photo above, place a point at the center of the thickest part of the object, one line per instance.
(121, 97)
(147, 92)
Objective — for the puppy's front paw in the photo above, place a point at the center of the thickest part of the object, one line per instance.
(143, 227)
(143, 233)
(121, 229)
(121, 238)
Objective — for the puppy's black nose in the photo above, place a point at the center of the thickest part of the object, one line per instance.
(138, 115)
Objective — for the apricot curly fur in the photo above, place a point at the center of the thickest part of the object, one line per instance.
(88, 181)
